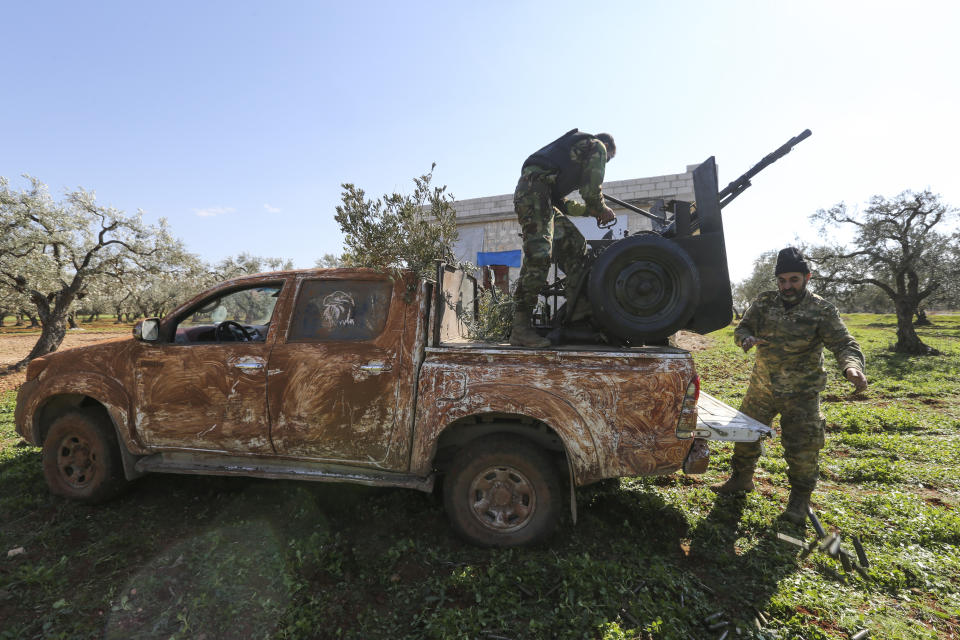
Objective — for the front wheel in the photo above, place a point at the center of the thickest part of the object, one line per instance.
(502, 491)
(81, 458)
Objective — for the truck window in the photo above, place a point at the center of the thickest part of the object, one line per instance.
(340, 310)
(250, 308)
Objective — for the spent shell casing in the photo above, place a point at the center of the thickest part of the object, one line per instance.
(860, 635)
(834, 549)
(826, 544)
(861, 554)
(724, 635)
(790, 539)
(845, 560)
(713, 616)
(816, 523)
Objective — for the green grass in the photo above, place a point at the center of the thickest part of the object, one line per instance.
(190, 557)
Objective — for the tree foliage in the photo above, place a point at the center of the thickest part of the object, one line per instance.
(901, 245)
(54, 252)
(246, 264)
(760, 280)
(398, 231)
(330, 261)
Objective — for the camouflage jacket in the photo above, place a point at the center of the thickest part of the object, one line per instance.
(792, 362)
(591, 155)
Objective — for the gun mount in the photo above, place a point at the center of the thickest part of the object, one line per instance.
(646, 287)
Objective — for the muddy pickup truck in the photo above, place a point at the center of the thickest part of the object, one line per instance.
(351, 375)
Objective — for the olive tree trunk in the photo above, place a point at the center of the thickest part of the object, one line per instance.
(53, 312)
(907, 339)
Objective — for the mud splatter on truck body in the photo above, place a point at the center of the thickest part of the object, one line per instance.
(345, 375)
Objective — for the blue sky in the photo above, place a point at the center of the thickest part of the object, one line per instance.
(238, 121)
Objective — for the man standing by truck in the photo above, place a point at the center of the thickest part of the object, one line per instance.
(790, 327)
(576, 160)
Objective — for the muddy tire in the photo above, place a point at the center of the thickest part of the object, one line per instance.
(81, 458)
(502, 491)
(643, 288)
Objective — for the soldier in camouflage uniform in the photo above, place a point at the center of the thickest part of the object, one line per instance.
(790, 327)
(576, 160)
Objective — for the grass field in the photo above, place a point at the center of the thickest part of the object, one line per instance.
(193, 557)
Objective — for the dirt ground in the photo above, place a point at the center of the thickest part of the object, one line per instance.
(14, 348)
(693, 341)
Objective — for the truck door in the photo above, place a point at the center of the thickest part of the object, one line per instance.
(333, 389)
(205, 389)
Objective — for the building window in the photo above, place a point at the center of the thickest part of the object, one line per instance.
(497, 275)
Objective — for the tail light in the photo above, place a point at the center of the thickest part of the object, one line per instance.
(687, 424)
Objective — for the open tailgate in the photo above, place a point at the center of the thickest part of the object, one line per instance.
(719, 421)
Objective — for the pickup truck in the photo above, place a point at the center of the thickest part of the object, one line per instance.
(352, 375)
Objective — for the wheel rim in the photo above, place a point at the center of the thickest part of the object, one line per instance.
(77, 461)
(646, 289)
(502, 499)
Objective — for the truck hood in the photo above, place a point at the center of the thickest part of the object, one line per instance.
(105, 358)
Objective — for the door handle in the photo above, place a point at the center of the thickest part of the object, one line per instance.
(376, 367)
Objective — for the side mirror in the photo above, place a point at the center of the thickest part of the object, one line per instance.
(147, 330)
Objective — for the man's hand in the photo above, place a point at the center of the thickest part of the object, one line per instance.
(857, 378)
(750, 341)
(606, 216)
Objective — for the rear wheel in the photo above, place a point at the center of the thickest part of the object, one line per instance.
(643, 288)
(81, 458)
(502, 491)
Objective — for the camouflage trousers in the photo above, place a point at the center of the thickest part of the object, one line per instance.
(548, 236)
(801, 433)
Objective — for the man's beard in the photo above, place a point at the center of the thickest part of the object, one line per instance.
(793, 296)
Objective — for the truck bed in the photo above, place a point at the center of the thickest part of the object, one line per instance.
(498, 347)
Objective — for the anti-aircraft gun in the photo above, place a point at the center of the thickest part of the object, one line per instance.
(646, 286)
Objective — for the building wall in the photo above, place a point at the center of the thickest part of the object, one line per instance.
(490, 224)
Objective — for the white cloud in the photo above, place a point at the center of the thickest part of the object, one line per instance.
(271, 209)
(213, 211)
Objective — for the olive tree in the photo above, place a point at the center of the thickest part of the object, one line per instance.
(901, 245)
(51, 251)
(246, 264)
(760, 280)
(16, 304)
(398, 231)
(947, 296)
(329, 261)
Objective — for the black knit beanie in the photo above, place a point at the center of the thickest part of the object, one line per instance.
(790, 260)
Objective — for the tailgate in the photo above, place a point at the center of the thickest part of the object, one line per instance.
(719, 421)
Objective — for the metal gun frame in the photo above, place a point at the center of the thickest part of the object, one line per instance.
(697, 227)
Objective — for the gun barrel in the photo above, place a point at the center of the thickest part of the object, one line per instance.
(736, 187)
(627, 205)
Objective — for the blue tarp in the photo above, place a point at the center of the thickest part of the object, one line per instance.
(506, 258)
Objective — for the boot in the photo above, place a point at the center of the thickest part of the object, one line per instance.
(796, 512)
(522, 335)
(739, 481)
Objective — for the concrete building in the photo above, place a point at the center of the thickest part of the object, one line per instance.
(490, 233)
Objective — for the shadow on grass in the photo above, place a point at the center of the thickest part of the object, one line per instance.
(744, 582)
(888, 364)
